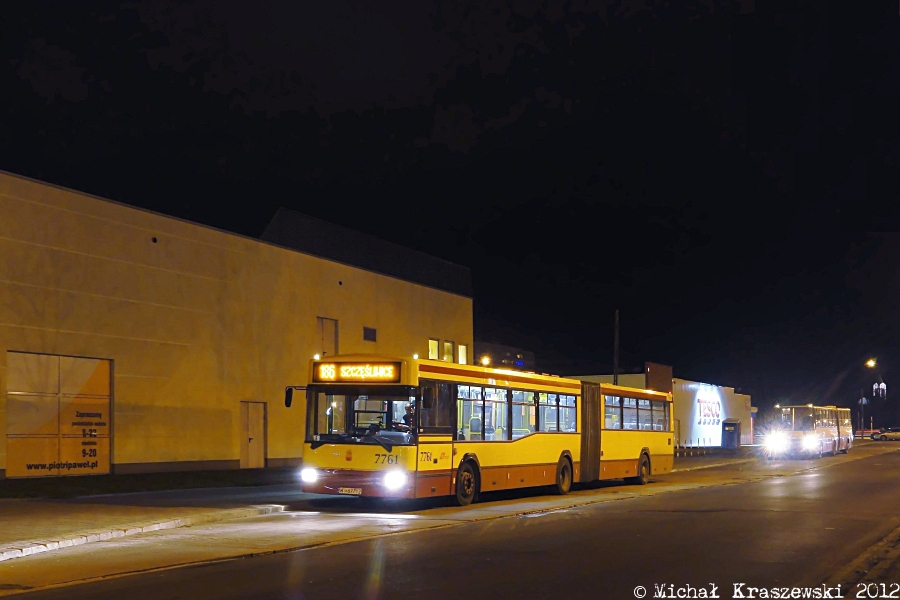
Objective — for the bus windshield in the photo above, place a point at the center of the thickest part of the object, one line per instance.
(363, 418)
(798, 419)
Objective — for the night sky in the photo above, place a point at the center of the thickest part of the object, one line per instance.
(709, 168)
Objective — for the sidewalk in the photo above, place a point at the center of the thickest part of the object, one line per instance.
(33, 526)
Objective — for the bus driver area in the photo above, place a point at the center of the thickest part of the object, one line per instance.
(393, 427)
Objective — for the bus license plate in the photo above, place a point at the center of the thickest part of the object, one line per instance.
(351, 491)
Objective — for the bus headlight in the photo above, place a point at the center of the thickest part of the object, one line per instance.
(394, 480)
(777, 442)
(810, 442)
(308, 475)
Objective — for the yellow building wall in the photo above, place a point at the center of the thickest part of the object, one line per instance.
(194, 323)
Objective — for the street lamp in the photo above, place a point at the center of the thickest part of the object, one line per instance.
(879, 390)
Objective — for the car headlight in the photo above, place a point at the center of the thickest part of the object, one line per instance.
(308, 475)
(394, 480)
(810, 442)
(777, 442)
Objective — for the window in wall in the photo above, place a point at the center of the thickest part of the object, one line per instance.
(495, 415)
(629, 413)
(660, 415)
(524, 413)
(568, 414)
(548, 412)
(448, 351)
(463, 353)
(369, 334)
(612, 412)
(327, 336)
(433, 349)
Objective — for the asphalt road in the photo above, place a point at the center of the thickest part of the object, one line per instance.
(779, 531)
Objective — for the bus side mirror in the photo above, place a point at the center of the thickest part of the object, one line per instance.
(427, 398)
(288, 396)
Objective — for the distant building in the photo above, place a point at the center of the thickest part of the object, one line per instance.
(504, 356)
(700, 409)
(135, 342)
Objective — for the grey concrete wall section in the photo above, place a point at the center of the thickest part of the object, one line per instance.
(174, 467)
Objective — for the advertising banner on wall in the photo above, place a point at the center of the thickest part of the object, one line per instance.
(58, 415)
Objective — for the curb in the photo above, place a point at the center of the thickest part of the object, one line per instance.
(27, 548)
(719, 464)
(872, 565)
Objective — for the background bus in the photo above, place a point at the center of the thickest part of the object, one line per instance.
(404, 428)
(810, 430)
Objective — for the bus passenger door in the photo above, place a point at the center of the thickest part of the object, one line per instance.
(435, 466)
(590, 432)
(434, 460)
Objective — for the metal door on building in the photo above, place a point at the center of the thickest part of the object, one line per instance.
(57, 415)
(328, 336)
(253, 440)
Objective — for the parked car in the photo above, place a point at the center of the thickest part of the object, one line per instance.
(887, 433)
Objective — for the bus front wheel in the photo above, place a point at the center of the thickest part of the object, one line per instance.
(563, 477)
(466, 485)
(643, 472)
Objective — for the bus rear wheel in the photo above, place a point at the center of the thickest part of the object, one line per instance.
(563, 477)
(643, 472)
(466, 485)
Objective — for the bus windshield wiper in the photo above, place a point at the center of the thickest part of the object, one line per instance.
(387, 445)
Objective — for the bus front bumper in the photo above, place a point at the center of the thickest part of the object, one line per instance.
(347, 482)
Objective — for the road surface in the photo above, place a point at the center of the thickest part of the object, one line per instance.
(775, 531)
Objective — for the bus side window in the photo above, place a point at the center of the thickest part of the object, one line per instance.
(435, 411)
(470, 413)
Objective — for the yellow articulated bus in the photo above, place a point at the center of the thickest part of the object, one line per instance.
(408, 428)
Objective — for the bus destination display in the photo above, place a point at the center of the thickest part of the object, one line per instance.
(356, 372)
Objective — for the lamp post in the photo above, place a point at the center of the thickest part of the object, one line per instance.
(862, 415)
(879, 390)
